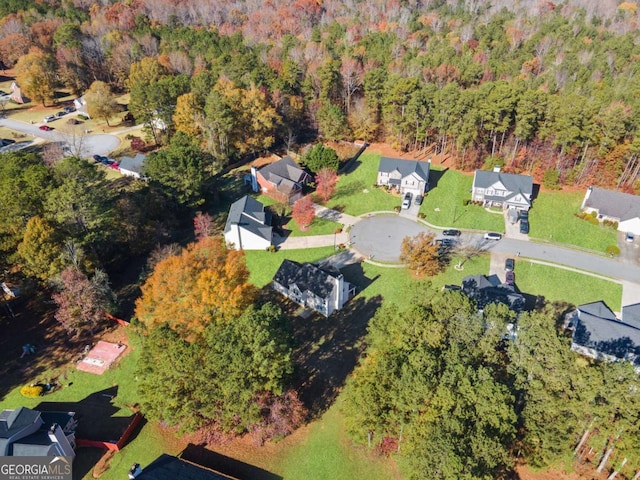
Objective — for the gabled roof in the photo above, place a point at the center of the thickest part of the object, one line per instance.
(12, 421)
(613, 204)
(486, 290)
(307, 277)
(631, 315)
(404, 167)
(597, 309)
(133, 164)
(249, 214)
(167, 467)
(514, 183)
(38, 445)
(285, 174)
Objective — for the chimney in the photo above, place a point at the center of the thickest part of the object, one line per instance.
(586, 197)
(134, 471)
(52, 433)
(254, 179)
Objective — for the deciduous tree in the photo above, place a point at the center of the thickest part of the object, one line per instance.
(101, 103)
(326, 180)
(35, 73)
(41, 250)
(303, 212)
(206, 283)
(420, 254)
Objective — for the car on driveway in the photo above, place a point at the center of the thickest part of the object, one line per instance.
(69, 109)
(419, 199)
(406, 203)
(101, 159)
(451, 233)
(446, 242)
(60, 114)
(524, 226)
(510, 278)
(509, 264)
(492, 236)
(46, 128)
(49, 118)
(629, 237)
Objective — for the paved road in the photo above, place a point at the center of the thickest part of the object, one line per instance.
(101, 144)
(610, 267)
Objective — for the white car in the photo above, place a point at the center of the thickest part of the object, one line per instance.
(49, 118)
(406, 203)
(629, 237)
(492, 236)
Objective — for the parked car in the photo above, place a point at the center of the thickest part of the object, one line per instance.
(406, 203)
(523, 214)
(69, 109)
(629, 237)
(492, 236)
(509, 264)
(114, 165)
(446, 242)
(49, 118)
(451, 233)
(419, 199)
(46, 128)
(60, 114)
(101, 159)
(524, 226)
(510, 278)
(6, 141)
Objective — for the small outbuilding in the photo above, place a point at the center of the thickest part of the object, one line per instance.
(133, 166)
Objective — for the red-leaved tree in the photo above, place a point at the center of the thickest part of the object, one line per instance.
(82, 302)
(303, 212)
(326, 180)
(203, 225)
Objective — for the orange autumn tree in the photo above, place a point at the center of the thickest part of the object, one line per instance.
(206, 282)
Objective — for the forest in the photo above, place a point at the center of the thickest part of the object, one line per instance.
(544, 88)
(536, 87)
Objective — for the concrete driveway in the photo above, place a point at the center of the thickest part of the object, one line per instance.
(380, 237)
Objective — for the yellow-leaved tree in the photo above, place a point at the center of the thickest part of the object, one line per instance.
(206, 282)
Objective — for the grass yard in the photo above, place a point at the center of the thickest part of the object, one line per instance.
(557, 284)
(319, 226)
(263, 265)
(443, 204)
(552, 218)
(327, 453)
(355, 193)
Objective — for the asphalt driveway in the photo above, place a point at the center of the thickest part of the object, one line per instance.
(380, 237)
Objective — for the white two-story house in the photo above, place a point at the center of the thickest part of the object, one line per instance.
(506, 190)
(404, 175)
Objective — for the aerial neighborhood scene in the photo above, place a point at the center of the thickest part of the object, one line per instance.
(313, 240)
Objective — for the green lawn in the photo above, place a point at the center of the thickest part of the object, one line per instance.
(556, 284)
(443, 204)
(355, 193)
(327, 454)
(263, 265)
(319, 226)
(552, 218)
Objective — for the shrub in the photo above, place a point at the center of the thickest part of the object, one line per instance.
(396, 209)
(551, 179)
(611, 224)
(465, 202)
(272, 249)
(83, 117)
(32, 391)
(593, 220)
(613, 250)
(138, 144)
(421, 216)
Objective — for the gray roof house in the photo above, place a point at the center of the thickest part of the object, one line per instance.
(248, 225)
(506, 190)
(599, 334)
(132, 166)
(623, 208)
(26, 432)
(322, 289)
(485, 290)
(404, 175)
(282, 180)
(168, 467)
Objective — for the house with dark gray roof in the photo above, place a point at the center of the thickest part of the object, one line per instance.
(506, 190)
(248, 225)
(599, 334)
(404, 175)
(26, 432)
(321, 288)
(168, 467)
(282, 180)
(485, 290)
(623, 208)
(132, 166)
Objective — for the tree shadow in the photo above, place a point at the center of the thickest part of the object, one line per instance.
(349, 189)
(327, 351)
(200, 455)
(435, 176)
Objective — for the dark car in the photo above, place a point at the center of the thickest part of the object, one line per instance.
(524, 226)
(46, 128)
(523, 214)
(510, 278)
(509, 264)
(7, 141)
(69, 109)
(61, 114)
(446, 242)
(101, 159)
(419, 199)
(451, 233)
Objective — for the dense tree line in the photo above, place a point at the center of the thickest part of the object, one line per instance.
(534, 87)
(441, 387)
